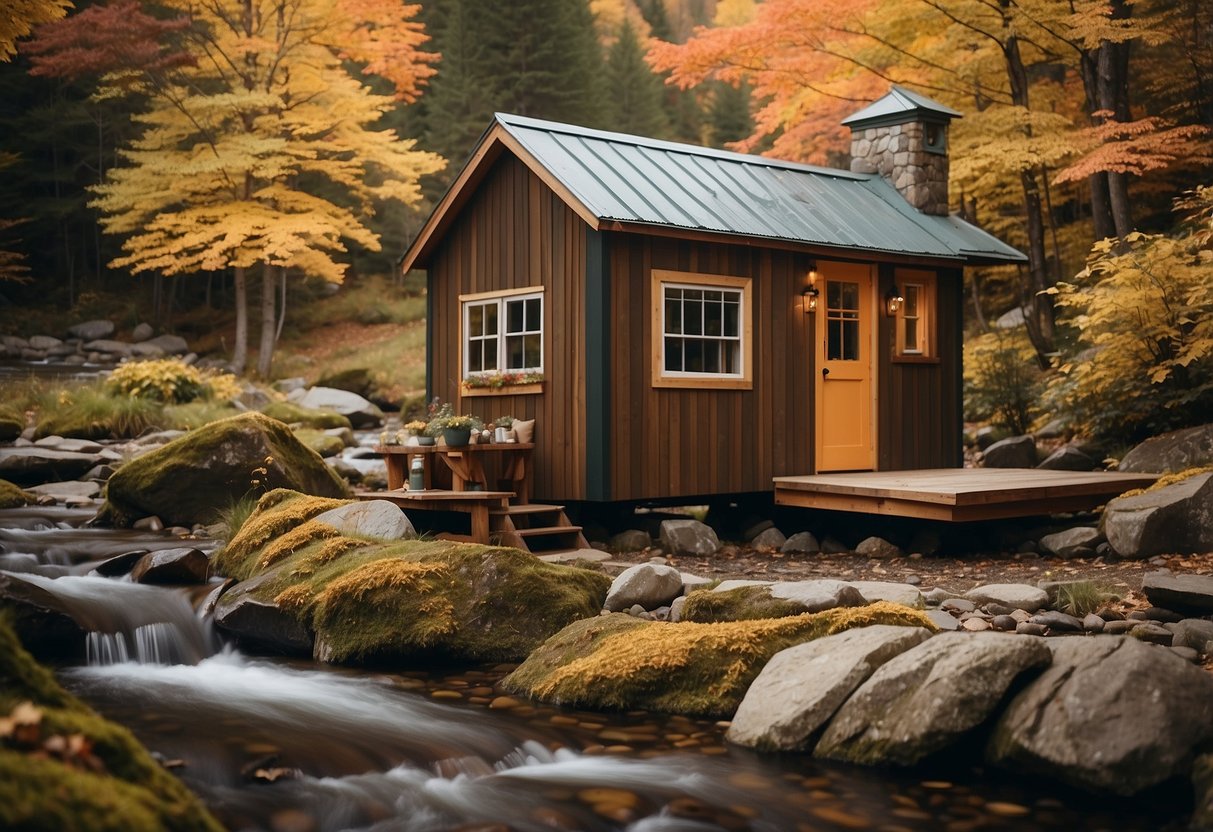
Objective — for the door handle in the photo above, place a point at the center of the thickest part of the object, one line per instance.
(825, 371)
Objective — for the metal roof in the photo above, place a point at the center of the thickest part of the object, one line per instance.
(631, 183)
(898, 104)
(635, 180)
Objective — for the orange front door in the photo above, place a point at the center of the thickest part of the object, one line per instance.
(845, 314)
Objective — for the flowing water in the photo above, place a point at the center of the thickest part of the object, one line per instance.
(276, 744)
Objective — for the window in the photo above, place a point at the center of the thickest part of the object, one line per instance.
(503, 333)
(935, 138)
(916, 317)
(701, 330)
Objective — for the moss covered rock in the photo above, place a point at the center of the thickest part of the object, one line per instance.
(745, 603)
(11, 496)
(106, 782)
(367, 599)
(620, 662)
(320, 442)
(11, 424)
(191, 479)
(292, 414)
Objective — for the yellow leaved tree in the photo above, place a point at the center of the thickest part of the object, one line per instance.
(258, 147)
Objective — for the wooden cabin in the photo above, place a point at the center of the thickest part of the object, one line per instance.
(683, 322)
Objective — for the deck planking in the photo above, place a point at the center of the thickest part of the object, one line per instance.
(958, 494)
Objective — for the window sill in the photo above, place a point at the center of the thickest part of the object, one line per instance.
(532, 389)
(915, 359)
(704, 383)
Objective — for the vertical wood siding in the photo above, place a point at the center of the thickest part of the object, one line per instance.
(515, 233)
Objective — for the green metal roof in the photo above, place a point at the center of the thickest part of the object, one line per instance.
(641, 181)
(897, 106)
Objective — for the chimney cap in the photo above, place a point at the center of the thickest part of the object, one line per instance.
(899, 106)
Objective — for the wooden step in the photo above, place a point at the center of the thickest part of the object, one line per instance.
(529, 508)
(547, 530)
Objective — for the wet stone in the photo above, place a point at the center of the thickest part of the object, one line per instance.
(1027, 628)
(1092, 623)
(1058, 622)
(1004, 623)
(1153, 633)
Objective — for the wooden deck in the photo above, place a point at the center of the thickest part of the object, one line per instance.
(958, 494)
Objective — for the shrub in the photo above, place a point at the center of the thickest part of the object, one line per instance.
(1002, 382)
(171, 380)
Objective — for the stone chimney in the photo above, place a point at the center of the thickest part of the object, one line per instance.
(904, 137)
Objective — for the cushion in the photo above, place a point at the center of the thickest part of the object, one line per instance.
(524, 430)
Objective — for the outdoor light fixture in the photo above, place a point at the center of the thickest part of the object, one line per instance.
(893, 301)
(808, 297)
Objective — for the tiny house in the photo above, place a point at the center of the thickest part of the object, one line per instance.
(684, 322)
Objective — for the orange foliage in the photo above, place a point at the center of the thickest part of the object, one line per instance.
(386, 37)
(1136, 147)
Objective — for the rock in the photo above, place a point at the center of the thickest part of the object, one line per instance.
(119, 565)
(958, 605)
(800, 688)
(692, 582)
(345, 470)
(1004, 623)
(1011, 319)
(1015, 452)
(801, 543)
(1202, 786)
(1175, 519)
(354, 380)
(1191, 594)
(1052, 430)
(142, 332)
(1058, 622)
(1016, 596)
(1110, 714)
(985, 437)
(63, 491)
(943, 620)
(754, 529)
(976, 625)
(192, 478)
(937, 595)
(261, 624)
(1163, 615)
(675, 668)
(771, 538)
(1092, 623)
(632, 540)
(1196, 633)
(360, 412)
(148, 524)
(1153, 633)
(43, 342)
(1185, 653)
(111, 348)
(345, 435)
(676, 608)
(1027, 628)
(369, 518)
(43, 621)
(1068, 459)
(646, 584)
(171, 344)
(147, 350)
(30, 465)
(293, 414)
(1075, 542)
(172, 566)
(819, 595)
(1171, 452)
(877, 547)
(75, 446)
(92, 330)
(688, 537)
(903, 594)
(923, 700)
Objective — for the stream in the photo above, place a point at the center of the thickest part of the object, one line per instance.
(288, 745)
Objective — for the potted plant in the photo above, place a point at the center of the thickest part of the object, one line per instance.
(502, 425)
(458, 430)
(417, 428)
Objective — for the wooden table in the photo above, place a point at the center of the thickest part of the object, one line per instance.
(476, 504)
(466, 463)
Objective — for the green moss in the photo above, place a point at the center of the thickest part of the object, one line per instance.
(745, 603)
(11, 496)
(370, 599)
(94, 413)
(320, 442)
(196, 414)
(12, 422)
(618, 662)
(292, 414)
(193, 478)
(130, 792)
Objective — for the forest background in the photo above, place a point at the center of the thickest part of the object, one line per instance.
(1085, 142)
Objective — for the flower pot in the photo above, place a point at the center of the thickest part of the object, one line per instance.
(426, 440)
(456, 436)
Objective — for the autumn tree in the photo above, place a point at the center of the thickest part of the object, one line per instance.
(252, 115)
(21, 16)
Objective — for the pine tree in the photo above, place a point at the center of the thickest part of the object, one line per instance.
(634, 95)
(730, 114)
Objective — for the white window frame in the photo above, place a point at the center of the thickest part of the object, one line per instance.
(663, 279)
(501, 300)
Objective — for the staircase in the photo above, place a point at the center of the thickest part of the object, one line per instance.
(536, 528)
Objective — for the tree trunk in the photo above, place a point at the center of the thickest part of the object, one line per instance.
(1112, 79)
(240, 290)
(269, 317)
(1101, 206)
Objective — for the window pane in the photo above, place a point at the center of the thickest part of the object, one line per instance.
(490, 355)
(693, 351)
(732, 313)
(712, 314)
(732, 353)
(911, 337)
(834, 294)
(673, 355)
(475, 356)
(850, 295)
(711, 357)
(673, 316)
(692, 314)
(534, 315)
(513, 316)
(911, 301)
(850, 344)
(513, 352)
(713, 296)
(833, 340)
(490, 318)
(475, 321)
(530, 350)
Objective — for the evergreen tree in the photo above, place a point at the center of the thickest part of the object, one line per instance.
(634, 95)
(730, 118)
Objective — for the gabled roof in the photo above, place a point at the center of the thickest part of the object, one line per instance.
(899, 105)
(620, 182)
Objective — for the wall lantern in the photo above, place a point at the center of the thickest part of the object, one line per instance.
(808, 297)
(893, 301)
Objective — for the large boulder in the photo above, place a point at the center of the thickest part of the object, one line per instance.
(928, 697)
(91, 330)
(185, 565)
(1174, 519)
(33, 465)
(1171, 452)
(263, 624)
(619, 662)
(191, 479)
(360, 412)
(750, 600)
(1068, 459)
(1111, 714)
(688, 537)
(171, 344)
(650, 585)
(1015, 452)
(370, 518)
(1191, 594)
(1079, 541)
(800, 688)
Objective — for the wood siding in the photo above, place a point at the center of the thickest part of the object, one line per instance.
(919, 404)
(687, 443)
(513, 233)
